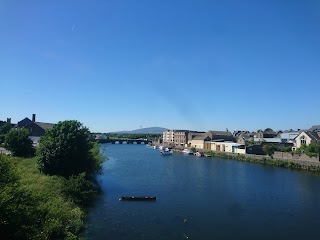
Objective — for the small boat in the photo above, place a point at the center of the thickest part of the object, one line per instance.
(154, 147)
(187, 151)
(198, 154)
(137, 198)
(161, 147)
(166, 152)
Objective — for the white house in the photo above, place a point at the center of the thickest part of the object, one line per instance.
(307, 137)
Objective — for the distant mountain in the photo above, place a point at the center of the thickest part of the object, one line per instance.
(155, 130)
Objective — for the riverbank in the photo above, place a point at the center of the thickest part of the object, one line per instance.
(38, 206)
(263, 159)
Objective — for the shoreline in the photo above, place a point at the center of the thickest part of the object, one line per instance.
(262, 159)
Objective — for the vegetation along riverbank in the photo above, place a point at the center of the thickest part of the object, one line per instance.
(266, 160)
(46, 196)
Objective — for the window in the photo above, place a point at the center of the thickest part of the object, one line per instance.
(303, 140)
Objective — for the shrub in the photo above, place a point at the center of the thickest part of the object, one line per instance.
(18, 142)
(33, 206)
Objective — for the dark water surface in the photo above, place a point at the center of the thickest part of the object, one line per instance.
(219, 198)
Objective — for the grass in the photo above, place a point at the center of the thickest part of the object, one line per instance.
(37, 207)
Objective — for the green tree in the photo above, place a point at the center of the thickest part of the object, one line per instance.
(4, 129)
(18, 142)
(66, 150)
(269, 149)
(268, 130)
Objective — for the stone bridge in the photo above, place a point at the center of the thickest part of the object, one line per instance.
(125, 141)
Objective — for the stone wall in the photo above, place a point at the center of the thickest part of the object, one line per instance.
(288, 156)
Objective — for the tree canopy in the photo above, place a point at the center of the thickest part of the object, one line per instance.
(4, 129)
(18, 142)
(268, 130)
(66, 150)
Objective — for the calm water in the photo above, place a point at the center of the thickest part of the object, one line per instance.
(219, 198)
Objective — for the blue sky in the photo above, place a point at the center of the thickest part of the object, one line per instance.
(119, 65)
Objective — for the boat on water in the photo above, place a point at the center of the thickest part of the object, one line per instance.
(137, 198)
(198, 154)
(161, 147)
(187, 151)
(166, 152)
(154, 147)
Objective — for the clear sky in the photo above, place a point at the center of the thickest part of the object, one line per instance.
(118, 65)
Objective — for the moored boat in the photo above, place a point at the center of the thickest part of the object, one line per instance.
(186, 151)
(166, 152)
(198, 154)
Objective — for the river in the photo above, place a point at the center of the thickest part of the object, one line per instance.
(201, 198)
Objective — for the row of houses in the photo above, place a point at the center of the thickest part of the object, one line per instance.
(211, 140)
(239, 141)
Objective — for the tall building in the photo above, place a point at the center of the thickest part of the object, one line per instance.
(178, 138)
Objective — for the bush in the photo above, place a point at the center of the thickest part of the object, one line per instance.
(18, 142)
(79, 190)
(312, 150)
(33, 206)
(66, 150)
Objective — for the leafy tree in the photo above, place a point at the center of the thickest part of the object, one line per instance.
(18, 142)
(268, 130)
(269, 149)
(4, 129)
(66, 150)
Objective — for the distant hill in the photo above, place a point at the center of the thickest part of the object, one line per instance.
(155, 130)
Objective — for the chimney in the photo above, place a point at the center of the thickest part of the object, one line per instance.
(33, 117)
(8, 120)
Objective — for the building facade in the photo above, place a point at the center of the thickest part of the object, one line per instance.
(168, 137)
(178, 138)
(307, 137)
